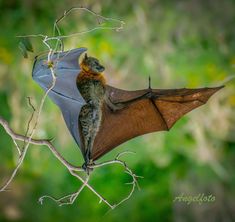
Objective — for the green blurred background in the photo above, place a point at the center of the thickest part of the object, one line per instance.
(185, 43)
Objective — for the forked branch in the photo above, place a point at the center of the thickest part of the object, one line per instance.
(28, 137)
(69, 199)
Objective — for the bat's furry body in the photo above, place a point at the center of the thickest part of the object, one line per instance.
(101, 117)
(91, 84)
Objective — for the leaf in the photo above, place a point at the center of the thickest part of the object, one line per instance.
(25, 46)
(23, 50)
(27, 43)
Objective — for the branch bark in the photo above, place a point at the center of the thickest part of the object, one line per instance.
(28, 139)
(73, 170)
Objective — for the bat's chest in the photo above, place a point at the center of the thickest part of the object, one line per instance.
(92, 91)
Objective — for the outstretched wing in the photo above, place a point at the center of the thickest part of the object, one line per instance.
(65, 93)
(144, 115)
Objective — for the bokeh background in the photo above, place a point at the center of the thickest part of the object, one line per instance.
(185, 43)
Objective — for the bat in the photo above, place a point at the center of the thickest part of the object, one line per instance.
(112, 116)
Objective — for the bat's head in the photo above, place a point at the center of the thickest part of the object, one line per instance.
(91, 64)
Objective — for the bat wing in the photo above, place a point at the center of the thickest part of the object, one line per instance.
(144, 115)
(65, 93)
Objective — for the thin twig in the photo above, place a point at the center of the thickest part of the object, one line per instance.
(16, 136)
(25, 148)
(30, 119)
(134, 182)
(66, 13)
(72, 169)
(67, 199)
(102, 199)
(17, 147)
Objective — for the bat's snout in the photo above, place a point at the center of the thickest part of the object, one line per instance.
(101, 68)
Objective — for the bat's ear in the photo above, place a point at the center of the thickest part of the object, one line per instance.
(86, 57)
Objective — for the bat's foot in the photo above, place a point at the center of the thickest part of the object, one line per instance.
(87, 167)
(150, 94)
(84, 166)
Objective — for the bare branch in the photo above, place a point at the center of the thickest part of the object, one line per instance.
(59, 37)
(17, 147)
(72, 169)
(134, 182)
(26, 146)
(47, 143)
(30, 119)
(68, 199)
(28, 139)
(102, 199)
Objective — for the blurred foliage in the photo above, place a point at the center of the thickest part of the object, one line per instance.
(184, 43)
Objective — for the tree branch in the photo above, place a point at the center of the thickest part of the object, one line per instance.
(28, 139)
(68, 199)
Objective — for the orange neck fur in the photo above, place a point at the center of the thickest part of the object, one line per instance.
(86, 74)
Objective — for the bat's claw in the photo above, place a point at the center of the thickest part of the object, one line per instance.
(87, 167)
(150, 94)
(150, 82)
(88, 163)
(84, 166)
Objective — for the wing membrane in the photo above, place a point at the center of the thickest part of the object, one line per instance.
(145, 115)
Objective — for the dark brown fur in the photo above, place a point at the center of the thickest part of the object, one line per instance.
(91, 84)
